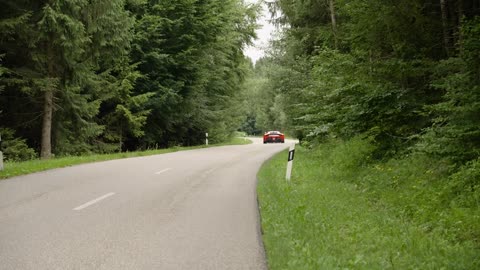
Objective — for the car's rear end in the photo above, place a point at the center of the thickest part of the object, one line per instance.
(273, 137)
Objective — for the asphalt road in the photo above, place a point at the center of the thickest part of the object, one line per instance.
(193, 209)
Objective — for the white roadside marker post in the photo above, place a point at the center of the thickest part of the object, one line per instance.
(1, 154)
(206, 138)
(291, 155)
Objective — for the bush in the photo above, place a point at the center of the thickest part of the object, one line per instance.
(15, 149)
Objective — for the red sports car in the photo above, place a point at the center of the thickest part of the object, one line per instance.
(273, 136)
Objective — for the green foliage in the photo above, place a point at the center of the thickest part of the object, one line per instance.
(383, 30)
(13, 148)
(190, 54)
(455, 133)
(124, 74)
(462, 197)
(387, 78)
(62, 47)
(123, 113)
(309, 23)
(263, 103)
(464, 186)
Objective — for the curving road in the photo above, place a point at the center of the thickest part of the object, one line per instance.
(193, 209)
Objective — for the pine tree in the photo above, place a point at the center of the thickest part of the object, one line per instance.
(64, 47)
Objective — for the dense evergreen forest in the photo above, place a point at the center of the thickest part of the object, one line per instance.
(81, 76)
(396, 82)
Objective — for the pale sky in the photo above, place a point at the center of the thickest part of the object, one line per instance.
(264, 34)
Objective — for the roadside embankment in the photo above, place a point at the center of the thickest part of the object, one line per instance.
(345, 210)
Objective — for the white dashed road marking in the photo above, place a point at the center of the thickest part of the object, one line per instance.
(164, 170)
(85, 205)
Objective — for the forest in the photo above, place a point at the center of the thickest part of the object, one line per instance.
(404, 73)
(81, 76)
(387, 92)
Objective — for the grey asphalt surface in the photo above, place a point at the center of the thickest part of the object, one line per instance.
(193, 209)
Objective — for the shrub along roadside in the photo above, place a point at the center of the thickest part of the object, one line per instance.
(343, 210)
(31, 166)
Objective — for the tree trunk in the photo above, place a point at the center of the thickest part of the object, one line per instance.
(459, 26)
(46, 151)
(334, 23)
(460, 11)
(120, 144)
(446, 36)
(46, 147)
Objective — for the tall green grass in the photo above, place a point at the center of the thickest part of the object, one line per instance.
(31, 166)
(344, 210)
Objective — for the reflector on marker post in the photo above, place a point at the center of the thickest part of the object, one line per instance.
(291, 156)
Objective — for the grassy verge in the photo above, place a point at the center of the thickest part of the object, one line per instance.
(337, 214)
(31, 166)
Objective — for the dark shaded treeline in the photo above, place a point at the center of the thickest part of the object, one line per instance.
(81, 76)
